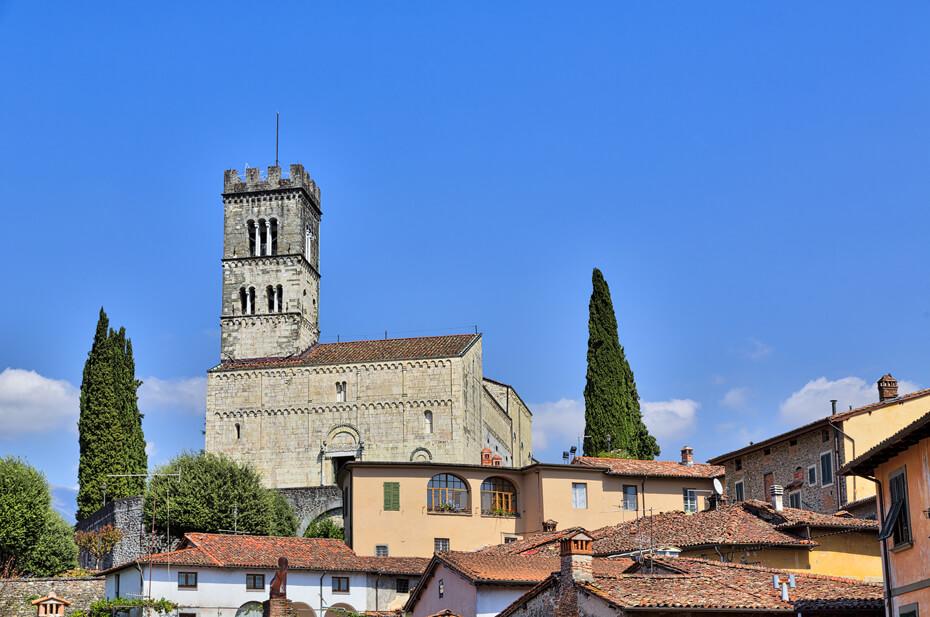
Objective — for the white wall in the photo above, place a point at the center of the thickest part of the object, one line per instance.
(492, 600)
(221, 591)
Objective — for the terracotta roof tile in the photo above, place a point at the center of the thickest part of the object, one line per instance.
(235, 551)
(708, 585)
(790, 518)
(659, 469)
(518, 569)
(531, 543)
(352, 352)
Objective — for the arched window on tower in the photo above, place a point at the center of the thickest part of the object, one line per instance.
(253, 238)
(427, 421)
(243, 300)
(262, 237)
(269, 292)
(273, 233)
(308, 244)
(250, 302)
(279, 298)
(341, 391)
(238, 431)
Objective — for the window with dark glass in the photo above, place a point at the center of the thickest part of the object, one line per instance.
(898, 521)
(255, 581)
(340, 584)
(794, 500)
(738, 491)
(738, 463)
(447, 493)
(690, 499)
(381, 550)
(187, 580)
(402, 585)
(812, 475)
(630, 497)
(441, 545)
(826, 469)
(498, 497)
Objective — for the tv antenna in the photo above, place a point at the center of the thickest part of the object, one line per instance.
(277, 126)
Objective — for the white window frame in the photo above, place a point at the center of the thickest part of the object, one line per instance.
(579, 488)
(814, 483)
(832, 471)
(736, 494)
(689, 496)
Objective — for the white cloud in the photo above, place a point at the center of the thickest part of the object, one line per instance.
(813, 400)
(31, 403)
(670, 419)
(563, 420)
(735, 398)
(758, 350)
(186, 394)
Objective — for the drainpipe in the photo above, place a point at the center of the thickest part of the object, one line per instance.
(836, 456)
(321, 592)
(643, 485)
(881, 522)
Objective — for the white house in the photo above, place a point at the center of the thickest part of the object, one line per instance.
(219, 575)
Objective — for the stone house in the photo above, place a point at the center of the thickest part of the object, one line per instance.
(899, 466)
(298, 409)
(805, 460)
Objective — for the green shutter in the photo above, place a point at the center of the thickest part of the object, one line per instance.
(392, 496)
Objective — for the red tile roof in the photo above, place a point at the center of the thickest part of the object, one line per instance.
(485, 568)
(657, 469)
(733, 525)
(707, 585)
(840, 417)
(235, 551)
(790, 518)
(532, 543)
(353, 352)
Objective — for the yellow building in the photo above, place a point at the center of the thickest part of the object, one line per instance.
(899, 466)
(415, 509)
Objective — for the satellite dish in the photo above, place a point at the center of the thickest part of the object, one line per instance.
(718, 486)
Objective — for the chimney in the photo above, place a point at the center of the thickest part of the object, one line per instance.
(687, 456)
(777, 494)
(550, 525)
(887, 388)
(577, 566)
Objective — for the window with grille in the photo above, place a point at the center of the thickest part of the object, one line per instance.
(690, 499)
(498, 497)
(630, 497)
(392, 496)
(255, 581)
(381, 550)
(447, 493)
(340, 584)
(187, 580)
(580, 495)
(441, 545)
(402, 585)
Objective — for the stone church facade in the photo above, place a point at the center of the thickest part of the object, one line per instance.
(298, 409)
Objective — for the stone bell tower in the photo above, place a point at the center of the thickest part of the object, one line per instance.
(271, 256)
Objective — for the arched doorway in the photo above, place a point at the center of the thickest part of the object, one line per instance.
(250, 609)
(339, 610)
(302, 610)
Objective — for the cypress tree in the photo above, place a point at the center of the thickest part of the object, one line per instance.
(110, 425)
(613, 420)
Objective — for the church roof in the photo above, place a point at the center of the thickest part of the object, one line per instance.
(358, 352)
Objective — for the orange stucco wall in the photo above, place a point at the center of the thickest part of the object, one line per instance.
(543, 492)
(910, 565)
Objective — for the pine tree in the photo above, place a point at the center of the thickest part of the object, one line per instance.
(613, 420)
(110, 425)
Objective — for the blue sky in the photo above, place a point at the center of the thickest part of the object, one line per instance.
(752, 180)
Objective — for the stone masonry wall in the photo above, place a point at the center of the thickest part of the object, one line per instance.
(313, 502)
(784, 461)
(126, 515)
(17, 593)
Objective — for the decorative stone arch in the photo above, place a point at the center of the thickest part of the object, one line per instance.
(421, 455)
(343, 436)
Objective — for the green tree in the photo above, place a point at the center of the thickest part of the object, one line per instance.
(613, 420)
(110, 425)
(34, 539)
(325, 528)
(215, 494)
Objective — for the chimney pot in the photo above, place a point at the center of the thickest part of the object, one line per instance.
(777, 496)
(687, 456)
(887, 387)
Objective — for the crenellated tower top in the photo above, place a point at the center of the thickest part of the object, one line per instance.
(299, 178)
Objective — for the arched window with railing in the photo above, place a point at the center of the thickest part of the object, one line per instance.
(447, 493)
(498, 497)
